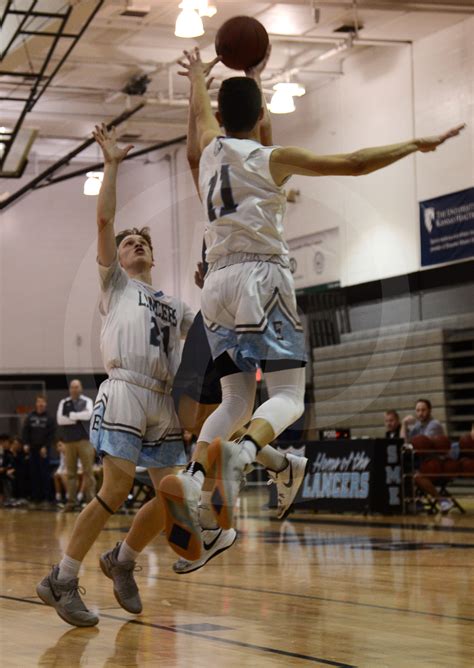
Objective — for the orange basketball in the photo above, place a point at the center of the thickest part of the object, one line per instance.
(431, 467)
(422, 442)
(241, 42)
(442, 443)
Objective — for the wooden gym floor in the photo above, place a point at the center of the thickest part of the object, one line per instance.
(321, 590)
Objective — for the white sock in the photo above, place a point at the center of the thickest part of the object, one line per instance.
(58, 497)
(80, 496)
(126, 553)
(68, 568)
(249, 449)
(207, 518)
(197, 476)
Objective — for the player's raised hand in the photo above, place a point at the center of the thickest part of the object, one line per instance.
(427, 144)
(257, 70)
(193, 65)
(107, 140)
(199, 275)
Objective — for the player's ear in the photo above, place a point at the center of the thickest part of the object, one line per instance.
(262, 112)
(219, 119)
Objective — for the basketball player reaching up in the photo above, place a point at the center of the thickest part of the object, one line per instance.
(248, 299)
(134, 421)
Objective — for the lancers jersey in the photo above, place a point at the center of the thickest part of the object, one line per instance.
(243, 205)
(141, 329)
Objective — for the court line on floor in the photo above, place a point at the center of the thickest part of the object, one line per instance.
(367, 524)
(311, 597)
(205, 636)
(325, 599)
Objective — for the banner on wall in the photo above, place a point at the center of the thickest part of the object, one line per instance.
(314, 258)
(447, 228)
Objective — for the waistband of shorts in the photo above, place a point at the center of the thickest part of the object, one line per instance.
(237, 258)
(139, 379)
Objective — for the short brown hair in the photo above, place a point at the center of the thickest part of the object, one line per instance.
(393, 412)
(144, 233)
(427, 402)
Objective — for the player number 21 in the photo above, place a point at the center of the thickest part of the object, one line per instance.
(228, 204)
(159, 335)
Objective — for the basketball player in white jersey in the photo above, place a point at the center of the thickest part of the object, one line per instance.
(248, 299)
(134, 422)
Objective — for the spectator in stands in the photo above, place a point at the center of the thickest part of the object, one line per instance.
(38, 435)
(424, 423)
(427, 425)
(392, 424)
(7, 471)
(21, 489)
(73, 416)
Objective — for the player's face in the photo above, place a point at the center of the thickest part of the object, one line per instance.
(422, 411)
(135, 253)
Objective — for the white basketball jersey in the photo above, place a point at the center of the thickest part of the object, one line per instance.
(141, 328)
(243, 205)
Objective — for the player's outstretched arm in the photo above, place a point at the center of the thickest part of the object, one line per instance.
(106, 202)
(207, 126)
(255, 73)
(193, 149)
(293, 160)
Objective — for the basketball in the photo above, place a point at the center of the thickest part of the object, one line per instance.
(431, 467)
(241, 42)
(422, 443)
(442, 443)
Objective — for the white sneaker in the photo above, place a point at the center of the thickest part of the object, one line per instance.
(288, 483)
(228, 460)
(445, 505)
(181, 494)
(214, 541)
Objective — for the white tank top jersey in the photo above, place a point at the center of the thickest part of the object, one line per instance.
(243, 205)
(141, 328)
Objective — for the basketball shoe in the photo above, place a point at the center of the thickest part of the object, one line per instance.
(121, 573)
(214, 541)
(288, 483)
(180, 494)
(65, 598)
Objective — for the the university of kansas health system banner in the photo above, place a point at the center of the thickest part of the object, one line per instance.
(447, 228)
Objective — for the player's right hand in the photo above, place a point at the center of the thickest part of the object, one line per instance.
(427, 144)
(107, 140)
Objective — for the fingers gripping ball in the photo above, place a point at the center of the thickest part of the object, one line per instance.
(241, 42)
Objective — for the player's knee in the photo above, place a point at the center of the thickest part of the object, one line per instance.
(115, 495)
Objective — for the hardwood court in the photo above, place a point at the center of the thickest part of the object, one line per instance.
(320, 590)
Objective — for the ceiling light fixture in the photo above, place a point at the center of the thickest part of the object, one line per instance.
(282, 100)
(93, 183)
(294, 89)
(189, 22)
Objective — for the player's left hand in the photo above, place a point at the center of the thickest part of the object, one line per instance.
(257, 70)
(193, 65)
(199, 275)
(427, 144)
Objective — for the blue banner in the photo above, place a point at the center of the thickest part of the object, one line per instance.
(447, 228)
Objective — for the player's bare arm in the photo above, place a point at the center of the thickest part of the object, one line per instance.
(106, 203)
(291, 160)
(255, 73)
(207, 126)
(193, 149)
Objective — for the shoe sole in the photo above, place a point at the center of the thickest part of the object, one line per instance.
(65, 619)
(182, 536)
(215, 554)
(221, 503)
(292, 504)
(103, 567)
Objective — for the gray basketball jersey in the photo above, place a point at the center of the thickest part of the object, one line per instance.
(243, 205)
(141, 327)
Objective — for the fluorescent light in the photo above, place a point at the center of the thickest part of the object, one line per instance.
(293, 89)
(189, 23)
(93, 183)
(281, 103)
(333, 52)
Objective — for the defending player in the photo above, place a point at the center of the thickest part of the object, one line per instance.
(248, 299)
(134, 421)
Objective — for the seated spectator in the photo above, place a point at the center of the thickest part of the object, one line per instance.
(7, 471)
(427, 425)
(392, 424)
(20, 485)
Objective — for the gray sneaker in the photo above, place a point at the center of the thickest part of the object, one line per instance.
(288, 483)
(121, 573)
(214, 542)
(65, 598)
